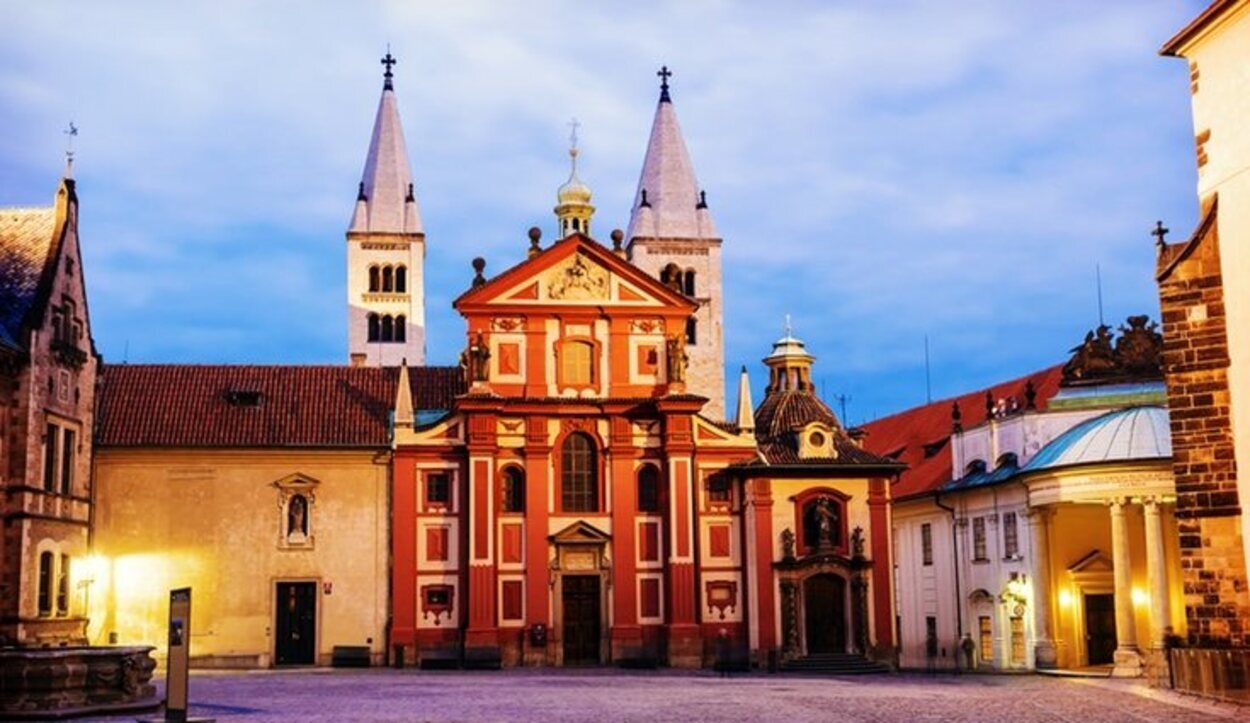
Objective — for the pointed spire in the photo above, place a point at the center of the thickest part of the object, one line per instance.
(71, 133)
(386, 200)
(746, 412)
(403, 397)
(672, 205)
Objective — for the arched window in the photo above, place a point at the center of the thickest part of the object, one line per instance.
(670, 276)
(579, 483)
(577, 362)
(375, 328)
(692, 331)
(62, 587)
(388, 328)
(577, 224)
(513, 490)
(689, 282)
(648, 488)
(45, 583)
(388, 279)
(401, 279)
(401, 328)
(374, 281)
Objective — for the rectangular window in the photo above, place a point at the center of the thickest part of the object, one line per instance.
(45, 583)
(718, 490)
(987, 638)
(576, 363)
(438, 489)
(1017, 641)
(51, 437)
(930, 637)
(1011, 536)
(62, 587)
(67, 462)
(926, 543)
(978, 539)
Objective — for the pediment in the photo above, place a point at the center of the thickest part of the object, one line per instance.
(297, 481)
(580, 533)
(574, 272)
(1093, 561)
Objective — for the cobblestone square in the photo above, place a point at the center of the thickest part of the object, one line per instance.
(608, 695)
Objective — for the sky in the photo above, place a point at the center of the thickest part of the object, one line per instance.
(883, 172)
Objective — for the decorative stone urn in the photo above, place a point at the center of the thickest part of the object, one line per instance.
(55, 682)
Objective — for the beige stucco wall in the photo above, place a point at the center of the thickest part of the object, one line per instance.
(1221, 105)
(211, 520)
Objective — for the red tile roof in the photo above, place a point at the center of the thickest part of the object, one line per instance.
(185, 405)
(904, 436)
(782, 412)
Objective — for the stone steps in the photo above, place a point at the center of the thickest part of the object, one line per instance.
(834, 664)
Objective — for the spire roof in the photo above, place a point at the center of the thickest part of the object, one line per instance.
(674, 206)
(386, 200)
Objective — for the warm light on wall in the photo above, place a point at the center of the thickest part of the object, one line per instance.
(1065, 598)
(1140, 597)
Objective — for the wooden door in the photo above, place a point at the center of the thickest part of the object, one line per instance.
(295, 638)
(1100, 629)
(824, 606)
(581, 619)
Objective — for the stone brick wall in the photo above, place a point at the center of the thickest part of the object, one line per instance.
(1196, 361)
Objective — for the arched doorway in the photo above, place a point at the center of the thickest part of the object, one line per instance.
(824, 612)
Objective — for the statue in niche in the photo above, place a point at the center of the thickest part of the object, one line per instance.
(829, 521)
(297, 520)
(857, 542)
(475, 360)
(677, 359)
(787, 544)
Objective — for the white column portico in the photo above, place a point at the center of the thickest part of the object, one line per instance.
(1156, 570)
(1043, 644)
(1128, 662)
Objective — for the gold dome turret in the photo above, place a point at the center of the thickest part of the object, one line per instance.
(573, 207)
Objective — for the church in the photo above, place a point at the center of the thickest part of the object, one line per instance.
(570, 494)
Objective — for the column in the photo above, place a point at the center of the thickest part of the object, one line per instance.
(1156, 570)
(626, 634)
(1043, 644)
(760, 554)
(1127, 659)
(537, 548)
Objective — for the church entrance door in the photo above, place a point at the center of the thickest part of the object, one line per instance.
(581, 619)
(1100, 629)
(295, 641)
(824, 606)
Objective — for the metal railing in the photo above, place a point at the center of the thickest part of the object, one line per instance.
(1220, 673)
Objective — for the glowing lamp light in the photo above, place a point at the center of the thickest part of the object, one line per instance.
(1140, 597)
(1065, 598)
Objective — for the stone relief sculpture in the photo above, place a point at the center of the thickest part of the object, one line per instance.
(577, 279)
(475, 360)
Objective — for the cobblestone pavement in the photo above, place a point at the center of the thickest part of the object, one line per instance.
(608, 695)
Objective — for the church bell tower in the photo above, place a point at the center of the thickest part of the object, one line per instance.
(671, 236)
(386, 249)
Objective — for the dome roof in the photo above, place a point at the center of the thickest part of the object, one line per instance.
(1133, 433)
(789, 347)
(574, 191)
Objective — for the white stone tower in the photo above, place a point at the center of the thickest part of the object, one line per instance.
(671, 235)
(386, 249)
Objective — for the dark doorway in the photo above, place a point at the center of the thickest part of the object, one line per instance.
(1100, 629)
(295, 641)
(581, 619)
(824, 605)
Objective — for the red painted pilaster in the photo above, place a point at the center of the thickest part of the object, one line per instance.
(760, 500)
(403, 551)
(626, 634)
(882, 563)
(537, 554)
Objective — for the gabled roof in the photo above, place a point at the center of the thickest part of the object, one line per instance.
(1205, 19)
(673, 207)
(385, 205)
(186, 405)
(920, 436)
(30, 243)
(1207, 231)
(521, 284)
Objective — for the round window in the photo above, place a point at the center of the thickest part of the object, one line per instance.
(816, 439)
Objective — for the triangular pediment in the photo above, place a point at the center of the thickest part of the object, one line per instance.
(296, 481)
(575, 271)
(1093, 561)
(580, 533)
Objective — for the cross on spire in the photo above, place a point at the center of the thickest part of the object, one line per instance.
(71, 132)
(573, 126)
(789, 329)
(664, 74)
(1159, 233)
(389, 61)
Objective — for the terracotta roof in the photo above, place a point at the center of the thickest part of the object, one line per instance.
(920, 436)
(185, 405)
(26, 240)
(782, 412)
(1197, 25)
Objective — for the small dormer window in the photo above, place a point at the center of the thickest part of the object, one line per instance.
(815, 440)
(243, 398)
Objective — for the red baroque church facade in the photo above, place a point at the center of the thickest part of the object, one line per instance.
(575, 506)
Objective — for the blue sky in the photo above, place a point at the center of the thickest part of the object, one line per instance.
(881, 171)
